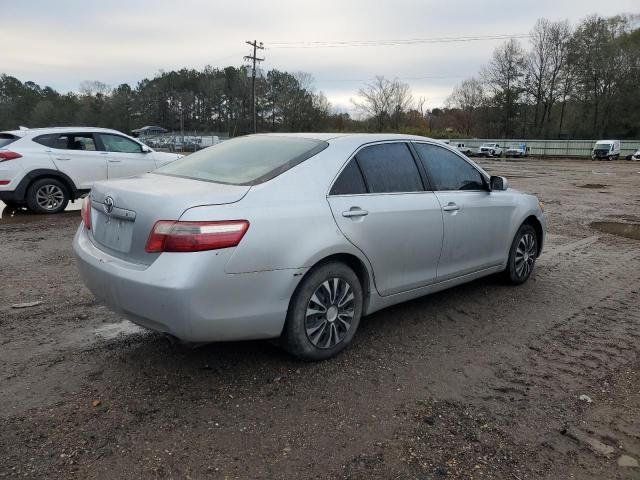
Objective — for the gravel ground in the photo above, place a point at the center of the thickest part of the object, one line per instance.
(480, 381)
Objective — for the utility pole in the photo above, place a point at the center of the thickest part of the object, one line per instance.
(255, 60)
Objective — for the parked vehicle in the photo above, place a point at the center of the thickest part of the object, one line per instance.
(606, 150)
(634, 156)
(489, 150)
(461, 148)
(517, 150)
(299, 235)
(45, 168)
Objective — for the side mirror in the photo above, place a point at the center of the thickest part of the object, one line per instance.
(499, 183)
(146, 150)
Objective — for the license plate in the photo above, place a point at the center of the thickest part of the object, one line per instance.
(114, 233)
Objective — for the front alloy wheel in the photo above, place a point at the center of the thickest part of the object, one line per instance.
(522, 256)
(324, 312)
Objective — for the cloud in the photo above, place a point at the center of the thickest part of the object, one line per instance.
(121, 41)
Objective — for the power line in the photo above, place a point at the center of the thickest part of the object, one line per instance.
(396, 42)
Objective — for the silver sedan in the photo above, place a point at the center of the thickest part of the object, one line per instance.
(298, 236)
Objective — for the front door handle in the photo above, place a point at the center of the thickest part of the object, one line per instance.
(63, 159)
(355, 212)
(115, 161)
(450, 207)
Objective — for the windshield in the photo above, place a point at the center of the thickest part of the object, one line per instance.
(6, 139)
(603, 146)
(488, 144)
(245, 160)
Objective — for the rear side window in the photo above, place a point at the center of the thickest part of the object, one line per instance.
(350, 181)
(7, 138)
(68, 141)
(246, 160)
(447, 171)
(389, 167)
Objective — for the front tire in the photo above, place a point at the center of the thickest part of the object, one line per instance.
(47, 195)
(324, 313)
(522, 255)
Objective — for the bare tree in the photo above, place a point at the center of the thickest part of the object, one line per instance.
(503, 75)
(467, 97)
(384, 101)
(547, 58)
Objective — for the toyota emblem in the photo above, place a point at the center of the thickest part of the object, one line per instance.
(108, 204)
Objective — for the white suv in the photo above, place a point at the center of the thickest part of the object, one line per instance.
(45, 168)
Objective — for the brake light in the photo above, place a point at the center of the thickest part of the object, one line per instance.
(172, 236)
(8, 155)
(86, 212)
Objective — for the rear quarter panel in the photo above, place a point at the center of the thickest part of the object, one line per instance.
(291, 224)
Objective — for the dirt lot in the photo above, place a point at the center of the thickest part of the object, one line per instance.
(481, 381)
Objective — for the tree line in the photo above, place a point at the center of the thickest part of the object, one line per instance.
(579, 81)
(567, 81)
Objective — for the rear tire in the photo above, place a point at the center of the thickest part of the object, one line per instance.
(324, 313)
(522, 255)
(47, 195)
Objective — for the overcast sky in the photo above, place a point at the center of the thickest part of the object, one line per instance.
(63, 42)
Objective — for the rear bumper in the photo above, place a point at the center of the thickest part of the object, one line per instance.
(189, 295)
(11, 196)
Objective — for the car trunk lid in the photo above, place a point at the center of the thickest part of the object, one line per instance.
(125, 210)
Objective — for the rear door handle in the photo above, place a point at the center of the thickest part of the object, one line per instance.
(355, 212)
(115, 161)
(450, 207)
(63, 159)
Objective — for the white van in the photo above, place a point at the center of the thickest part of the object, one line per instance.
(606, 150)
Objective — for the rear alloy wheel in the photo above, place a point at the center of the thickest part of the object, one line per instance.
(324, 313)
(522, 256)
(47, 195)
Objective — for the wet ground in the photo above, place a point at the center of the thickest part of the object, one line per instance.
(480, 381)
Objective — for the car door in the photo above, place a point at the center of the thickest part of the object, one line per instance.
(125, 157)
(380, 204)
(76, 155)
(476, 220)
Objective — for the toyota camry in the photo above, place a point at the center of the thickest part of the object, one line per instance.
(298, 236)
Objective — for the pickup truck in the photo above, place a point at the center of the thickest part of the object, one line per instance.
(517, 150)
(490, 150)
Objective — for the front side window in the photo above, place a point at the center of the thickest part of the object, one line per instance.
(447, 171)
(389, 167)
(118, 144)
(245, 160)
(68, 141)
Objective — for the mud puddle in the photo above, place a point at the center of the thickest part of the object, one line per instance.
(594, 186)
(627, 230)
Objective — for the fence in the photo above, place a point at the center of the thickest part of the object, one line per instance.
(552, 148)
(187, 141)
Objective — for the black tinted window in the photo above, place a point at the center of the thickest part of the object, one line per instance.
(350, 181)
(389, 167)
(447, 171)
(6, 139)
(67, 141)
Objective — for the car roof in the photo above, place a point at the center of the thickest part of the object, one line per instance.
(36, 131)
(355, 137)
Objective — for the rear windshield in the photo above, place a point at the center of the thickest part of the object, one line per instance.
(245, 160)
(7, 138)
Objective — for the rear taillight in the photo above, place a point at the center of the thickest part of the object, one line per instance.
(86, 212)
(8, 155)
(172, 236)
